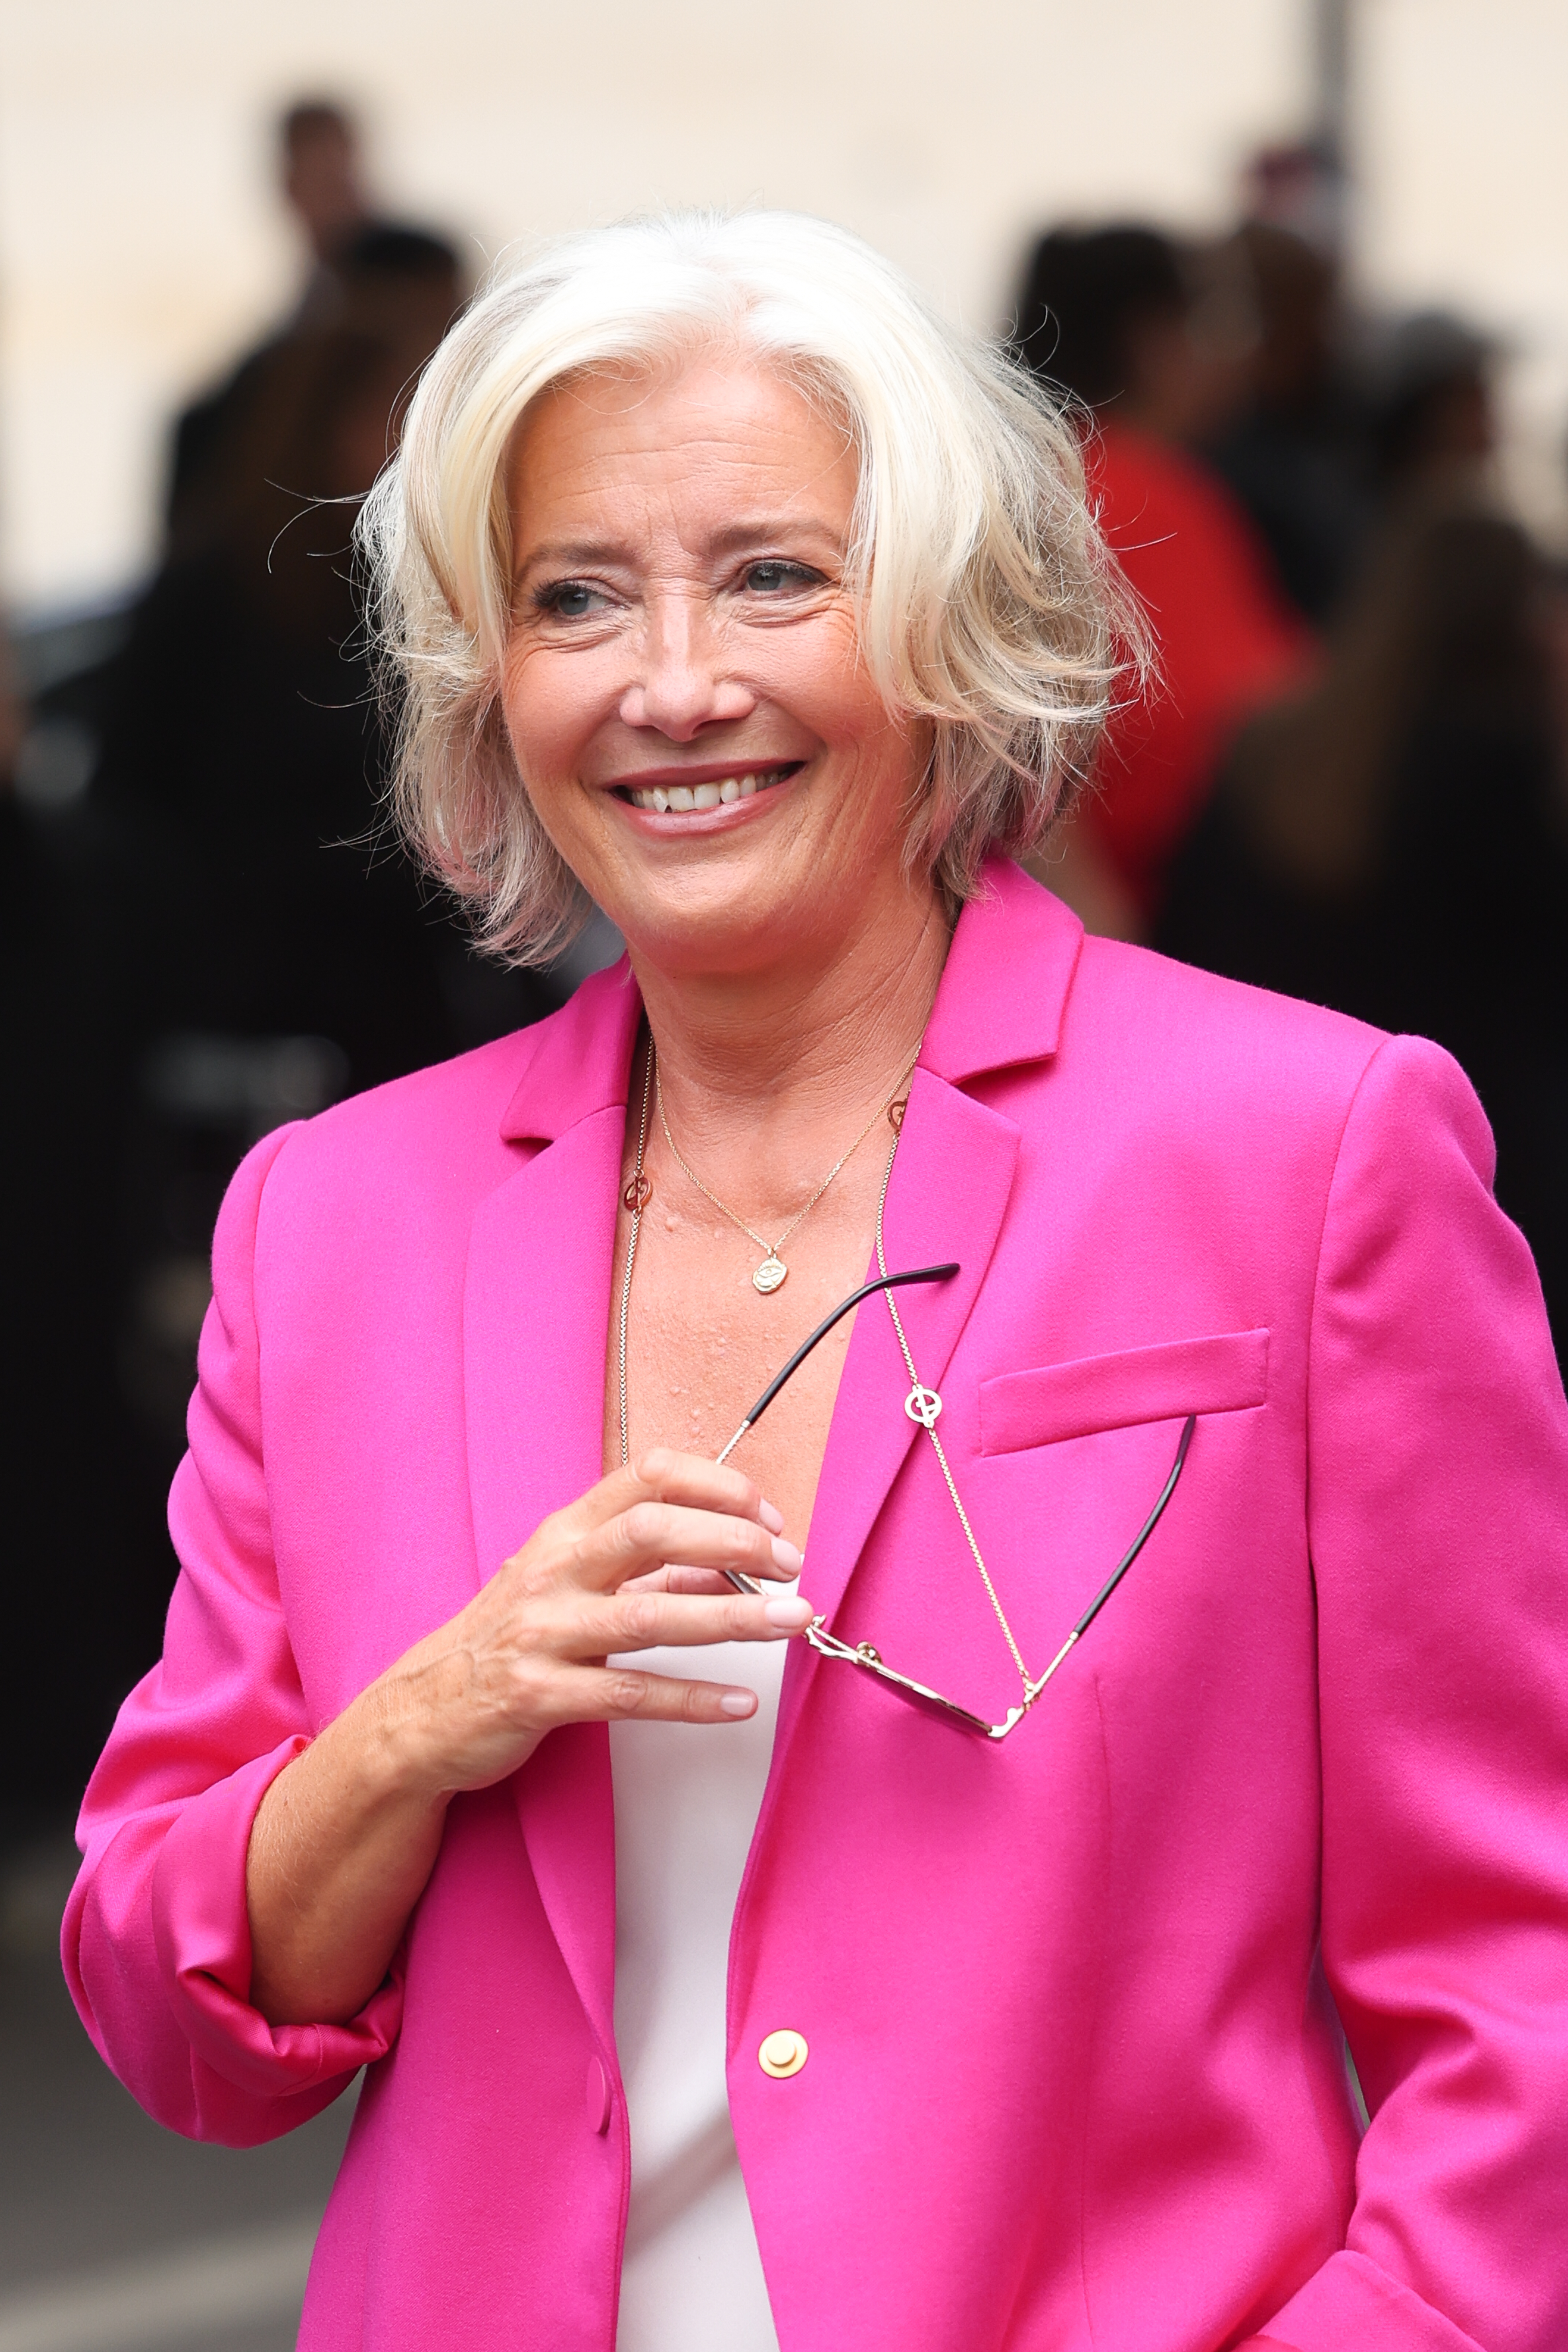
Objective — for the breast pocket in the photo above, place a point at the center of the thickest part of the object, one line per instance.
(1227, 1373)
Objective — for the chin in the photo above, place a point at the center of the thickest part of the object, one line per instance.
(702, 919)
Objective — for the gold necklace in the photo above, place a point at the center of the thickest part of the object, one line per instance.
(773, 1271)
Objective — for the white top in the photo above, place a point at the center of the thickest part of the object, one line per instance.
(687, 1801)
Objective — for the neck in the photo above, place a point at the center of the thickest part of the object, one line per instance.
(797, 1043)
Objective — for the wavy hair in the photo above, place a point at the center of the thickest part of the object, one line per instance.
(988, 606)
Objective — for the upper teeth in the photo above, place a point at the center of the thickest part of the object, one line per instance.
(681, 797)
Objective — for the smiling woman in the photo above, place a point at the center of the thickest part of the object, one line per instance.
(1141, 1363)
(936, 498)
(652, 627)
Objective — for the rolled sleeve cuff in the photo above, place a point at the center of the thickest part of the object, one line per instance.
(203, 1934)
(1352, 2301)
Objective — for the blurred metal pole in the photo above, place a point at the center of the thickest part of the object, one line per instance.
(1332, 65)
(1331, 74)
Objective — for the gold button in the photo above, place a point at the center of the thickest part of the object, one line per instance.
(784, 2052)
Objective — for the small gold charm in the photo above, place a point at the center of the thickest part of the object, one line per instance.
(770, 1273)
(637, 1194)
(896, 1114)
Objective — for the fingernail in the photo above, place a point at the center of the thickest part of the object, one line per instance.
(772, 1518)
(738, 1702)
(786, 1557)
(789, 1609)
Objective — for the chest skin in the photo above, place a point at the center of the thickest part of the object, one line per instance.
(702, 1343)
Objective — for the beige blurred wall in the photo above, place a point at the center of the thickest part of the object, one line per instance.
(1460, 136)
(140, 242)
(138, 238)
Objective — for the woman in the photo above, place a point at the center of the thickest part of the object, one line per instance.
(737, 594)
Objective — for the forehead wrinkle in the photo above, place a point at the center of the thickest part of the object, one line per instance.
(671, 480)
(664, 512)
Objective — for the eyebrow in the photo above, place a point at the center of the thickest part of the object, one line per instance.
(761, 533)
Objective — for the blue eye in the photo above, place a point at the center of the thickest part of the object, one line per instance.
(569, 599)
(773, 573)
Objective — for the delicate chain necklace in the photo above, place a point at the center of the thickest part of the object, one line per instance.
(922, 1405)
(772, 1270)
(637, 1194)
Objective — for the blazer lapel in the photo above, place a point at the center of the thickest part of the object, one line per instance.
(1000, 1004)
(536, 1316)
(951, 1183)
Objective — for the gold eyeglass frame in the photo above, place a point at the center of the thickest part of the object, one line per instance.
(923, 1407)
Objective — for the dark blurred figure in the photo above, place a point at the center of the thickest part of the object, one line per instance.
(322, 177)
(1394, 842)
(1296, 456)
(273, 947)
(243, 742)
(358, 267)
(1299, 186)
(1115, 316)
(60, 1458)
(1433, 426)
(212, 935)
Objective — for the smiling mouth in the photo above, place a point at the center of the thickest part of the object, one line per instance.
(681, 800)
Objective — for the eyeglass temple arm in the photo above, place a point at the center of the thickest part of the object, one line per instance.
(883, 1282)
(1147, 1530)
(868, 1660)
(1113, 1580)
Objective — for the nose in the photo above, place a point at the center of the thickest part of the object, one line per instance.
(682, 683)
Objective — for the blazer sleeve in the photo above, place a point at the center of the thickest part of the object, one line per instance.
(1438, 1470)
(156, 1941)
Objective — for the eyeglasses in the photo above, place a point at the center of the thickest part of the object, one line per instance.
(923, 1407)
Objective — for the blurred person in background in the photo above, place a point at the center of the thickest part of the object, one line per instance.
(271, 947)
(1433, 422)
(242, 734)
(342, 234)
(1299, 186)
(1295, 455)
(1112, 315)
(58, 1275)
(218, 936)
(982, 1975)
(1395, 842)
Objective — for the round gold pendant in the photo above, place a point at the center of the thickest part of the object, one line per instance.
(770, 1273)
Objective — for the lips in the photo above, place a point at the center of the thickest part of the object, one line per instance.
(681, 800)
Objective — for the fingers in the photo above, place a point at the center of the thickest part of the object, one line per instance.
(653, 1535)
(583, 1625)
(677, 1577)
(662, 1475)
(625, 1694)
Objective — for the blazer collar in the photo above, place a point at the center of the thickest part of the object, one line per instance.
(1003, 992)
(999, 1003)
(578, 1061)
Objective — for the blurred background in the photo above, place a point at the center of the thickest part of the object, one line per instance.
(1302, 263)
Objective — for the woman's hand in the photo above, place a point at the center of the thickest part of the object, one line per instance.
(470, 1703)
(347, 1835)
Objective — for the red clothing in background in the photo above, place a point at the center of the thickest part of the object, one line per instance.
(1227, 642)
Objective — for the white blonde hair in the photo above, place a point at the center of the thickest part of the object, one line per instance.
(988, 607)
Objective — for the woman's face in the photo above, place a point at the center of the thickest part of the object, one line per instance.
(684, 689)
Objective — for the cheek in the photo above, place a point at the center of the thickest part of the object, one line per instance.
(544, 710)
(881, 752)
(818, 676)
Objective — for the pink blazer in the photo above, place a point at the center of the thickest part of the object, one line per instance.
(1073, 2003)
